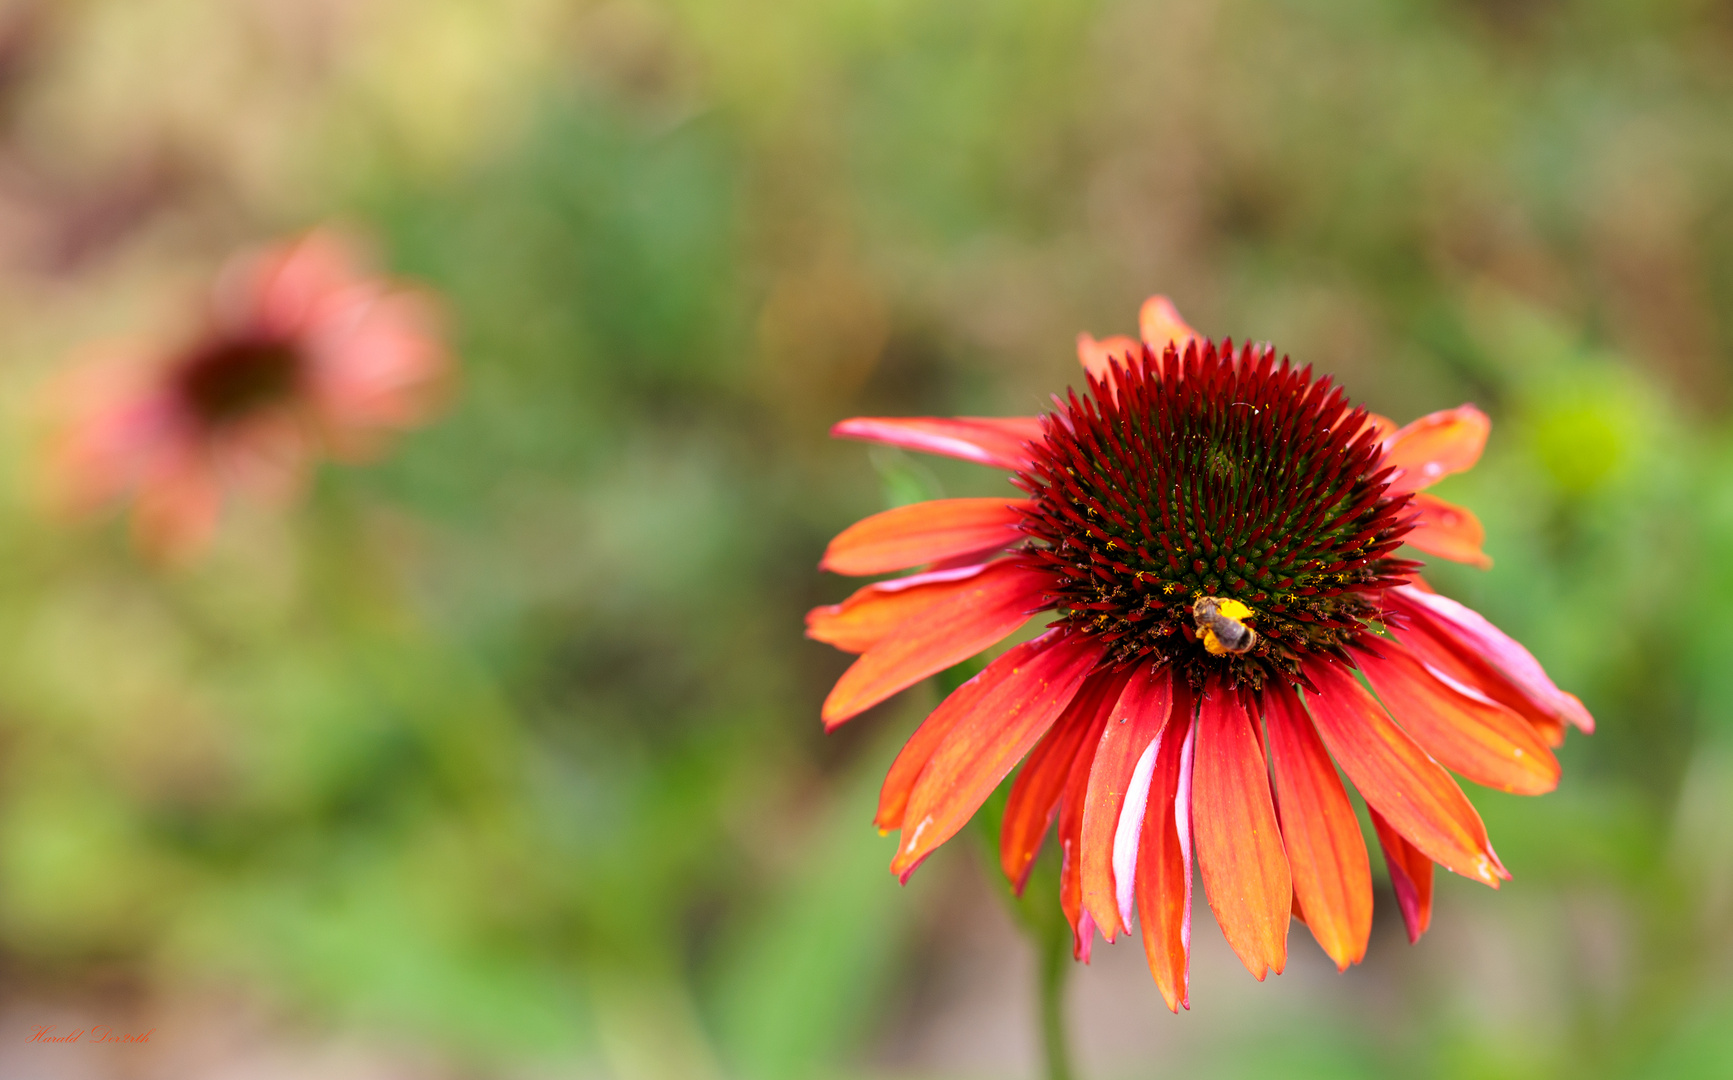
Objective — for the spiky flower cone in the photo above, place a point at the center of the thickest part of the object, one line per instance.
(1214, 474)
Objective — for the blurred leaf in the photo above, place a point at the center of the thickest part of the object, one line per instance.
(804, 985)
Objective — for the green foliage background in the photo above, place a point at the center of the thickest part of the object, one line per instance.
(508, 743)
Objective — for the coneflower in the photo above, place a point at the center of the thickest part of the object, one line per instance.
(300, 352)
(1215, 538)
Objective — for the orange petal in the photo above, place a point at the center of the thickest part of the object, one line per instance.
(991, 736)
(1164, 859)
(1070, 865)
(913, 758)
(922, 533)
(1435, 446)
(1135, 723)
(1448, 531)
(867, 617)
(1397, 777)
(1035, 798)
(1451, 660)
(1461, 728)
(1239, 846)
(1159, 324)
(1410, 875)
(1071, 805)
(989, 607)
(1096, 355)
(1042, 781)
(1468, 632)
(1000, 442)
(1326, 853)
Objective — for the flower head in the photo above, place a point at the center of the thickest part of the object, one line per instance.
(299, 352)
(1216, 538)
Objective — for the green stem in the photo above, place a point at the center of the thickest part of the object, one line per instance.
(1037, 910)
(1055, 963)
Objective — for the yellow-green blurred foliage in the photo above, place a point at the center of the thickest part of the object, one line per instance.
(507, 744)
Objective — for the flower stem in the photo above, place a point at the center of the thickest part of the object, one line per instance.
(1054, 965)
(1037, 911)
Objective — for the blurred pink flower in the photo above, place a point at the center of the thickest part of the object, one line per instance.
(302, 352)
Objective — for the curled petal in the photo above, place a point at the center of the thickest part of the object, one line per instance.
(864, 619)
(1159, 324)
(1471, 674)
(981, 611)
(1463, 729)
(1128, 835)
(1104, 693)
(1410, 876)
(1070, 863)
(922, 533)
(1042, 782)
(1164, 858)
(992, 732)
(1326, 853)
(1396, 777)
(1239, 845)
(1448, 531)
(1000, 442)
(1096, 356)
(1460, 666)
(1435, 446)
(1465, 631)
(1134, 724)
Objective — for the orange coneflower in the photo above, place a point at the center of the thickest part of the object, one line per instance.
(300, 352)
(1216, 536)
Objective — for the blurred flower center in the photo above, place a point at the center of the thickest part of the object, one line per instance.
(1191, 500)
(233, 379)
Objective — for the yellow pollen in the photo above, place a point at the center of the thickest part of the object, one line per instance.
(1233, 609)
(1212, 643)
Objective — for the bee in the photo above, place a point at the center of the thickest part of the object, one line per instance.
(1221, 625)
